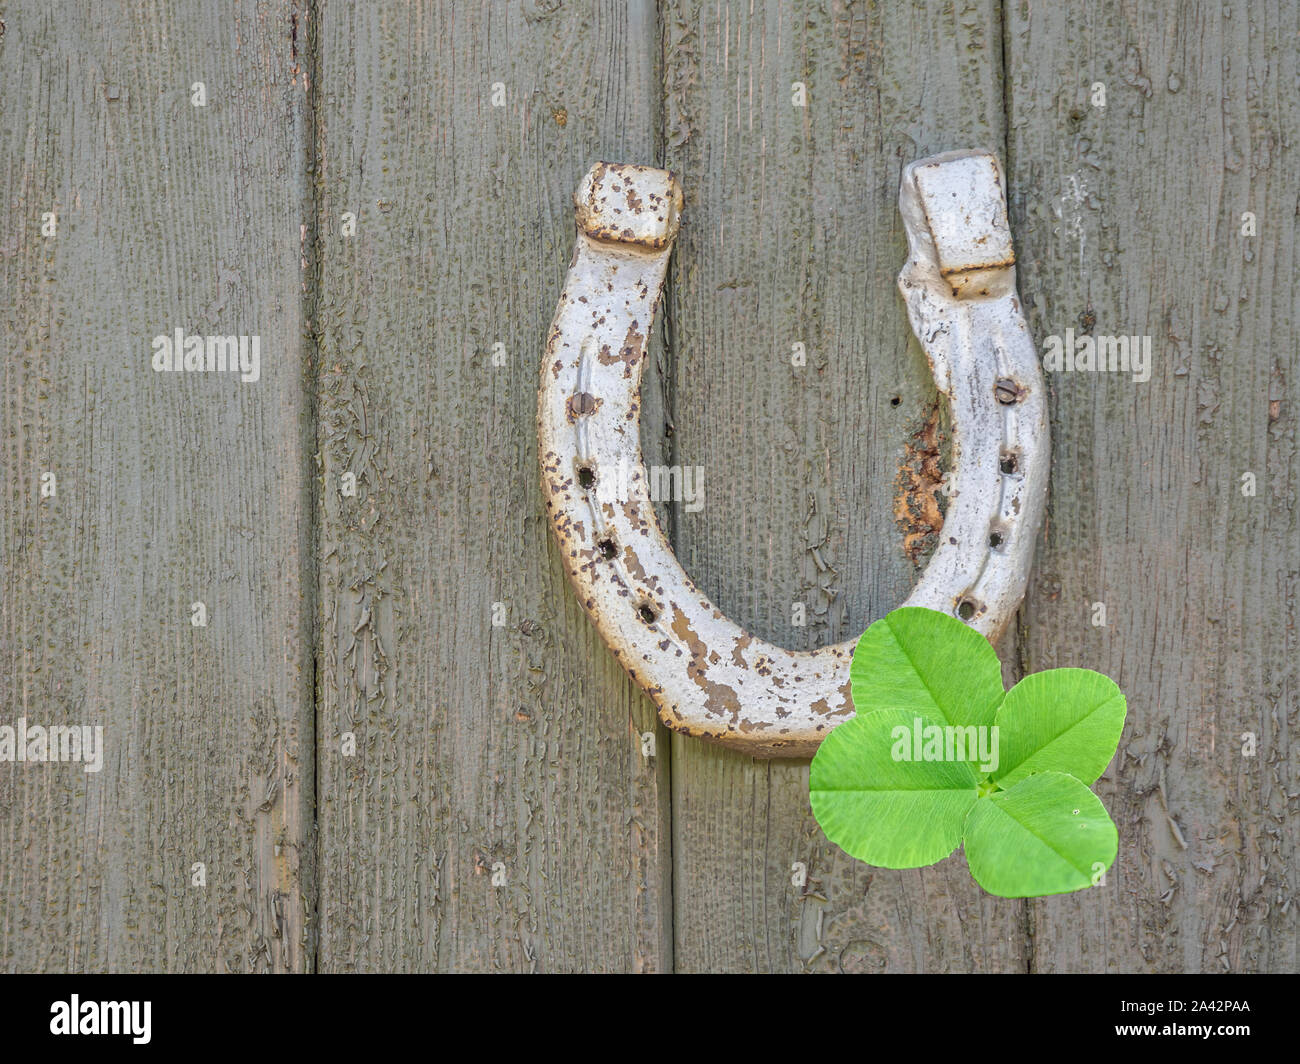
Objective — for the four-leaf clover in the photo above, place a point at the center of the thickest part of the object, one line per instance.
(939, 755)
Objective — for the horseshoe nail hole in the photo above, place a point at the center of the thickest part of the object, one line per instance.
(586, 476)
(966, 609)
(1008, 391)
(580, 404)
(607, 549)
(896, 400)
(996, 538)
(1009, 463)
(647, 613)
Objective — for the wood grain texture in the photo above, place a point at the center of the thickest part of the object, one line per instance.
(171, 488)
(791, 234)
(478, 747)
(1129, 218)
(405, 355)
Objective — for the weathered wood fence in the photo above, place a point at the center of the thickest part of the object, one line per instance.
(396, 742)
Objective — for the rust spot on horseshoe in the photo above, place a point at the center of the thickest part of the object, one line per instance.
(916, 500)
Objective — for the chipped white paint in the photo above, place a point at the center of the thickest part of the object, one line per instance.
(708, 676)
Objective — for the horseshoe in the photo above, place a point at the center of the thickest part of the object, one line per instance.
(707, 675)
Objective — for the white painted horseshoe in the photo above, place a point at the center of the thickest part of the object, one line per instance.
(709, 677)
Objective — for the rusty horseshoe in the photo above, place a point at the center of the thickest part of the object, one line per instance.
(707, 675)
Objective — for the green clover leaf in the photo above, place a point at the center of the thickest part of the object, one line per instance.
(921, 660)
(1048, 834)
(888, 812)
(1062, 720)
(939, 755)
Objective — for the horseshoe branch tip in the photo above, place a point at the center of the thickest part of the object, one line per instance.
(708, 676)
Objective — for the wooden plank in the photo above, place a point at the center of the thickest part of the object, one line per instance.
(792, 235)
(172, 488)
(478, 747)
(1130, 221)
